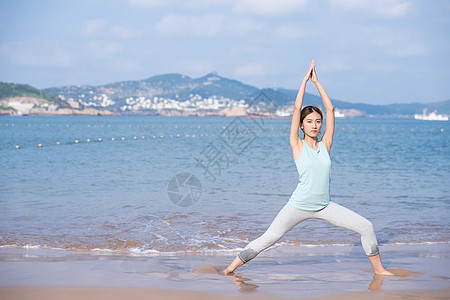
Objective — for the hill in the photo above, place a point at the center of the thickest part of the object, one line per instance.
(23, 99)
(177, 94)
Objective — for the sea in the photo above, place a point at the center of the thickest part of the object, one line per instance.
(155, 185)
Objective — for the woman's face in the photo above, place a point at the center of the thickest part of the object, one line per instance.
(312, 124)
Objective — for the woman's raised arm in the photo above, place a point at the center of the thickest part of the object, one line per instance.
(327, 138)
(295, 123)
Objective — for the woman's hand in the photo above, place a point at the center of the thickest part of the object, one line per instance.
(309, 72)
(314, 75)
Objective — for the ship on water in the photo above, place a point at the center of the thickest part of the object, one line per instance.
(433, 116)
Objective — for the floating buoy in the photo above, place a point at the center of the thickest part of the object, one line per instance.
(58, 143)
(40, 145)
(162, 136)
(143, 137)
(171, 136)
(12, 125)
(134, 138)
(88, 140)
(442, 129)
(76, 142)
(99, 140)
(113, 139)
(193, 135)
(123, 139)
(154, 137)
(17, 147)
(178, 135)
(187, 135)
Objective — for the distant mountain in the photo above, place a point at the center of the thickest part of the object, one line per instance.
(174, 86)
(23, 99)
(369, 109)
(175, 94)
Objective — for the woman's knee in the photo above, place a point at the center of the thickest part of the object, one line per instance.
(367, 227)
(258, 245)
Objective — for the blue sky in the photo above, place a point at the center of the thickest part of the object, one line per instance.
(370, 51)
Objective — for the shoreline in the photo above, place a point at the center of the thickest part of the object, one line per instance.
(280, 273)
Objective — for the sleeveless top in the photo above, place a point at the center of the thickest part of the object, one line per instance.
(314, 170)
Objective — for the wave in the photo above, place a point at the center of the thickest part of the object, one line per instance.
(143, 251)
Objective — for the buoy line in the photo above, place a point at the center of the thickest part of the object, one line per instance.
(136, 137)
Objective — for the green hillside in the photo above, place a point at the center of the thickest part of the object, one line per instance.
(11, 90)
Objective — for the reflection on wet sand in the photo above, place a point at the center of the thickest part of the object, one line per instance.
(403, 275)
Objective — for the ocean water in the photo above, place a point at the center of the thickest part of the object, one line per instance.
(169, 185)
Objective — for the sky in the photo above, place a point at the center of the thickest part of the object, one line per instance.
(367, 51)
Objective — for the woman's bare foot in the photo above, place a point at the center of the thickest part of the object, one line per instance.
(237, 262)
(226, 272)
(378, 267)
(385, 273)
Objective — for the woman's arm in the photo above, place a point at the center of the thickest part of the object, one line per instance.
(295, 123)
(327, 138)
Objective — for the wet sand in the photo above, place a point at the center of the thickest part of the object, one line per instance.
(422, 272)
(76, 293)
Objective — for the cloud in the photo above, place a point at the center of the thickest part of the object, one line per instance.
(196, 67)
(150, 3)
(251, 69)
(99, 28)
(93, 28)
(206, 26)
(295, 31)
(242, 50)
(383, 8)
(333, 65)
(268, 7)
(37, 53)
(396, 43)
(192, 4)
(103, 49)
(122, 65)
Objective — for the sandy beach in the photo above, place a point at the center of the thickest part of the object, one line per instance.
(281, 273)
(75, 293)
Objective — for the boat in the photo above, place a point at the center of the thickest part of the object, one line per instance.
(339, 114)
(433, 116)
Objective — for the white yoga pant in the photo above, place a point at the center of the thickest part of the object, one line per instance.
(290, 216)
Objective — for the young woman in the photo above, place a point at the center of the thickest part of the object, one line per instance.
(311, 198)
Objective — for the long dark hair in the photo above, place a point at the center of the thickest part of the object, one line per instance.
(306, 111)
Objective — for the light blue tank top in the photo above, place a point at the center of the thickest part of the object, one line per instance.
(314, 170)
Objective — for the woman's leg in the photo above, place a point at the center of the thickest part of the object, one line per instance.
(344, 217)
(286, 219)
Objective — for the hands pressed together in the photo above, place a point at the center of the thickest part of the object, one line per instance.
(311, 73)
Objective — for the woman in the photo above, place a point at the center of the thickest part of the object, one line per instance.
(311, 198)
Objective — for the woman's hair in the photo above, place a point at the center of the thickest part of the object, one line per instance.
(307, 110)
(310, 109)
